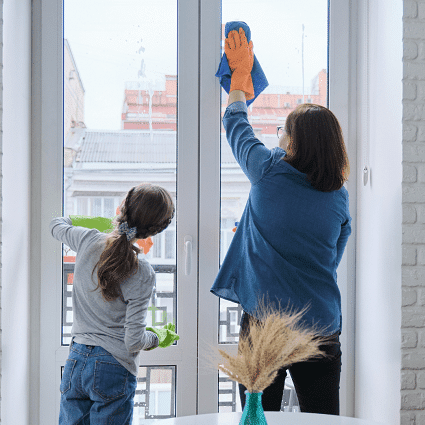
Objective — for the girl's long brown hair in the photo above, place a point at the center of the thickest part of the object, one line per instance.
(316, 146)
(150, 209)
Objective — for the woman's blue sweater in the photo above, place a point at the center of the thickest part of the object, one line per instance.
(290, 239)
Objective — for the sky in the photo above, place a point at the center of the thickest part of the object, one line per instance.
(109, 40)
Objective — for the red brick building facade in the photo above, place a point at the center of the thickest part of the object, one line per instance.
(154, 105)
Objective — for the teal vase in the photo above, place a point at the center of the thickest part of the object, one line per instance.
(253, 413)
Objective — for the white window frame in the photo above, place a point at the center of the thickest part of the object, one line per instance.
(47, 111)
(342, 101)
(196, 101)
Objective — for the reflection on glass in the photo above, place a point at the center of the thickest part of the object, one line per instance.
(293, 55)
(155, 394)
(230, 317)
(228, 395)
(162, 305)
(120, 120)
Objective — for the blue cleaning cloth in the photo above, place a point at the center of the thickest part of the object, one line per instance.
(259, 80)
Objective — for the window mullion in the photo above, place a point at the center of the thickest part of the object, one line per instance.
(209, 211)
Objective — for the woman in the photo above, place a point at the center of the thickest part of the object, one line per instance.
(293, 231)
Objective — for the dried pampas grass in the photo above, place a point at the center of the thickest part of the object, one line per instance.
(276, 340)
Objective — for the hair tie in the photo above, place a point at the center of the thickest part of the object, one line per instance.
(123, 229)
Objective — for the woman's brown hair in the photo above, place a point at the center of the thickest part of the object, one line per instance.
(150, 209)
(316, 146)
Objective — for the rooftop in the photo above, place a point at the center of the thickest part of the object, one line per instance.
(138, 146)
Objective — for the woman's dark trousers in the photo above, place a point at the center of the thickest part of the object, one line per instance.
(316, 381)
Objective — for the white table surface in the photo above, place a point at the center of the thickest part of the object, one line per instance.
(273, 418)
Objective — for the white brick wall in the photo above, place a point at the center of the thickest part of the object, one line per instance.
(413, 268)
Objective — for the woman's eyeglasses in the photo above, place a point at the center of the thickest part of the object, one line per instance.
(280, 130)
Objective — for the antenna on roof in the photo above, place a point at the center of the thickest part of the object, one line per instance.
(302, 57)
(141, 72)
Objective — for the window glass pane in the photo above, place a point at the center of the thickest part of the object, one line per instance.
(108, 209)
(120, 121)
(157, 246)
(228, 394)
(170, 244)
(164, 301)
(82, 206)
(293, 56)
(155, 394)
(164, 402)
(68, 278)
(96, 207)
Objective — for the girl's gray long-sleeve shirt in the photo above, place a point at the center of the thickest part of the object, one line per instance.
(117, 326)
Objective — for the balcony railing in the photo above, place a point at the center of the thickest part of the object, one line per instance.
(158, 300)
(154, 382)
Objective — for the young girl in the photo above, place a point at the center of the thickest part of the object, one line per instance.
(110, 297)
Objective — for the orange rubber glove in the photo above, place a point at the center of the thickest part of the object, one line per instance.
(145, 244)
(240, 56)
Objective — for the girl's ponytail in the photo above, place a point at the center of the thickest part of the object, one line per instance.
(149, 209)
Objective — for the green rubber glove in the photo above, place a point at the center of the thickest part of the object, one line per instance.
(100, 223)
(166, 335)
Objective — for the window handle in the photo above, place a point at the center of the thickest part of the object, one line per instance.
(187, 255)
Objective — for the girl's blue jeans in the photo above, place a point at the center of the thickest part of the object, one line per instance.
(95, 388)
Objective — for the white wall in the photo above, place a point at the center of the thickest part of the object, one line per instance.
(16, 211)
(379, 215)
